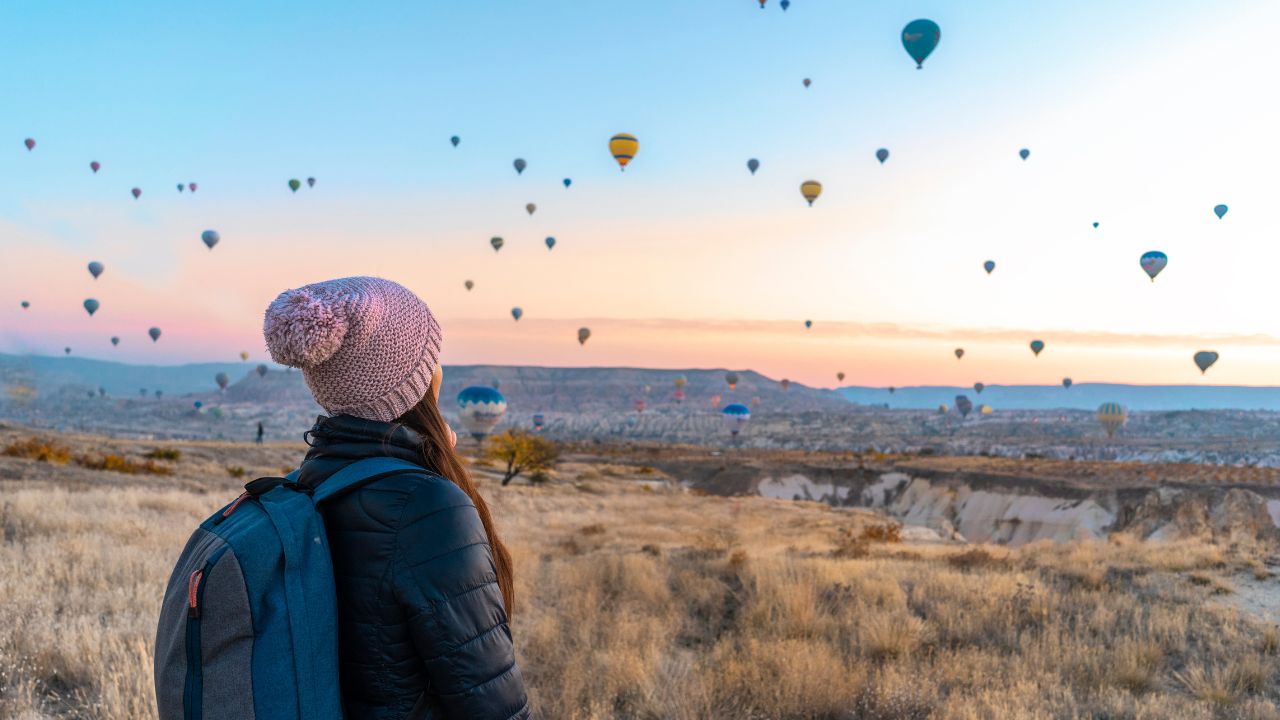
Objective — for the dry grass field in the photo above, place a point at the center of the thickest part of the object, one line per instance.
(640, 600)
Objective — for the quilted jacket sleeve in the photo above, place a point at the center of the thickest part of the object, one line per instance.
(445, 580)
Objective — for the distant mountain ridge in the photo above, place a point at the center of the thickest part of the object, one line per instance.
(1081, 396)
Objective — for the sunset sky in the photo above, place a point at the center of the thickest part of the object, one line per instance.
(1140, 116)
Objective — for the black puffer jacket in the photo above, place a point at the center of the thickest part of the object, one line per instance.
(422, 626)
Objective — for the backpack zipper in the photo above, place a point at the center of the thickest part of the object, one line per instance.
(193, 691)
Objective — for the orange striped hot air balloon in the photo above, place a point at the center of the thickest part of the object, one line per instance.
(623, 147)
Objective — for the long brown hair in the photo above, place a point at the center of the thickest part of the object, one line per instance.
(440, 457)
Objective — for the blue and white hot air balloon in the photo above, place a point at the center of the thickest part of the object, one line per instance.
(481, 409)
(1153, 262)
(736, 416)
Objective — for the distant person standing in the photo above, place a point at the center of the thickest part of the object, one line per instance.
(259, 440)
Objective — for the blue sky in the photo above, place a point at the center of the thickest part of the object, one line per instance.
(1140, 115)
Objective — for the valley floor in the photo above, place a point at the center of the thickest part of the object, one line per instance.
(640, 599)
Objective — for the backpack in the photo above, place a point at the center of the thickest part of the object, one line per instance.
(249, 627)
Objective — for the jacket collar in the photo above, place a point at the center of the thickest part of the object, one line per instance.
(352, 437)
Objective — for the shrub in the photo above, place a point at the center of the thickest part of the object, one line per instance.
(172, 454)
(39, 450)
(522, 451)
(236, 471)
(121, 464)
(887, 533)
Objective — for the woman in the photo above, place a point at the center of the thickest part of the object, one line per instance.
(424, 585)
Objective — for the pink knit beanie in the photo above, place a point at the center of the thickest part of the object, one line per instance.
(366, 346)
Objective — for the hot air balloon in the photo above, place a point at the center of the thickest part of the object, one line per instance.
(678, 396)
(519, 164)
(91, 306)
(31, 144)
(481, 409)
(979, 387)
(985, 409)
(736, 416)
(623, 147)
(115, 340)
(731, 379)
(583, 334)
(95, 166)
(1067, 382)
(989, 266)
(262, 370)
(785, 4)
(455, 140)
(538, 422)
(919, 38)
(762, 2)
(516, 313)
(1095, 225)
(892, 389)
(639, 405)
(715, 401)
(882, 154)
(810, 189)
(807, 82)
(943, 409)
(1111, 416)
(25, 304)
(1205, 360)
(294, 184)
(1037, 346)
(964, 405)
(1153, 262)
(959, 353)
(1219, 210)
(496, 384)
(244, 355)
(840, 377)
(181, 187)
(551, 242)
(786, 384)
(753, 165)
(159, 393)
(680, 381)
(468, 284)
(496, 242)
(197, 404)
(210, 238)
(66, 351)
(192, 186)
(136, 192)
(154, 333)
(530, 208)
(808, 324)
(95, 269)
(1024, 153)
(222, 380)
(311, 182)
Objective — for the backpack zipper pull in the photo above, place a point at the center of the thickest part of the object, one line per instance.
(193, 588)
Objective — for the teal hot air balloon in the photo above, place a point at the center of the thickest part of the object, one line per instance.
(210, 238)
(882, 154)
(496, 242)
(222, 380)
(25, 304)
(753, 165)
(808, 324)
(964, 405)
(1205, 360)
(517, 313)
(91, 306)
(261, 370)
(785, 4)
(1037, 346)
(1153, 262)
(1095, 226)
(519, 164)
(1024, 153)
(1067, 383)
(990, 266)
(551, 242)
(455, 140)
(481, 409)
(979, 387)
(736, 416)
(114, 341)
(1219, 210)
(567, 182)
(294, 184)
(95, 269)
(919, 38)
(154, 333)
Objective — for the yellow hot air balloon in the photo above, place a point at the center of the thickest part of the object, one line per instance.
(1111, 416)
(244, 354)
(811, 189)
(623, 147)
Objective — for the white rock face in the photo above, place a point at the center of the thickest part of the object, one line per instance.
(799, 487)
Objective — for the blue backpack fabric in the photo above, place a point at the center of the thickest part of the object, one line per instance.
(249, 627)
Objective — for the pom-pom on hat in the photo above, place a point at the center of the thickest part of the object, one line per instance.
(367, 347)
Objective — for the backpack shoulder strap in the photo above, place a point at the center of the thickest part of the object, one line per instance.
(360, 472)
